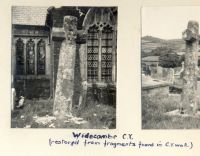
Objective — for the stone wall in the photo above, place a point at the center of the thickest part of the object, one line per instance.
(57, 14)
(77, 76)
(32, 88)
(154, 90)
(55, 53)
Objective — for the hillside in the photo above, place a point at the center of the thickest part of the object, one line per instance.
(149, 43)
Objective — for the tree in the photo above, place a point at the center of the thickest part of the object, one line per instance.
(170, 60)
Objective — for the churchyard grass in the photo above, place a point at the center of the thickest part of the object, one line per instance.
(154, 117)
(97, 116)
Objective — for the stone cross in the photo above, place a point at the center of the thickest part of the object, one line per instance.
(189, 94)
(65, 76)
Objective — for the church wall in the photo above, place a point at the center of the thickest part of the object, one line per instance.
(31, 85)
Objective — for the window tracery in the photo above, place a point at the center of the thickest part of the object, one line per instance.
(30, 57)
(41, 57)
(19, 57)
(99, 53)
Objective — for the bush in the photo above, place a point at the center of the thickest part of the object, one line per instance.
(170, 60)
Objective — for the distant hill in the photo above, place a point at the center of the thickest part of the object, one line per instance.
(149, 43)
(153, 39)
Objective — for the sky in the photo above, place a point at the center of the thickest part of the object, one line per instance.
(168, 22)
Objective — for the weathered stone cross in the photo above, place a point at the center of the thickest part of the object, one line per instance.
(65, 76)
(189, 101)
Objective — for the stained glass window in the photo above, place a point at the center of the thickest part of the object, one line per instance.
(41, 57)
(92, 53)
(30, 57)
(106, 54)
(19, 57)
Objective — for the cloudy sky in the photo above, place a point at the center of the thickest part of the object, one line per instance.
(168, 22)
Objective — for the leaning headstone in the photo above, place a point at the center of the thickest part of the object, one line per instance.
(189, 94)
(182, 69)
(65, 75)
(159, 72)
(171, 75)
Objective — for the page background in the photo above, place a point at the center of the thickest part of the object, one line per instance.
(34, 142)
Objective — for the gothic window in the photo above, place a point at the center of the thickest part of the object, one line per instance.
(30, 57)
(92, 53)
(99, 53)
(19, 57)
(41, 57)
(106, 54)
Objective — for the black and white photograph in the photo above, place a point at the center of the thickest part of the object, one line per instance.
(63, 67)
(170, 63)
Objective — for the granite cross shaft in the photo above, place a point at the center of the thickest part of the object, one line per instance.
(189, 101)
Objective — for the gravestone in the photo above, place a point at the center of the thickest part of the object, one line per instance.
(171, 75)
(189, 95)
(65, 76)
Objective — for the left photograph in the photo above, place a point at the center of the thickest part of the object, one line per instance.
(63, 67)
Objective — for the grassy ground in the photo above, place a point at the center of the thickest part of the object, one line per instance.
(153, 117)
(96, 116)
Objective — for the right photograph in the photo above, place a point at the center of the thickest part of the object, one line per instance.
(170, 67)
